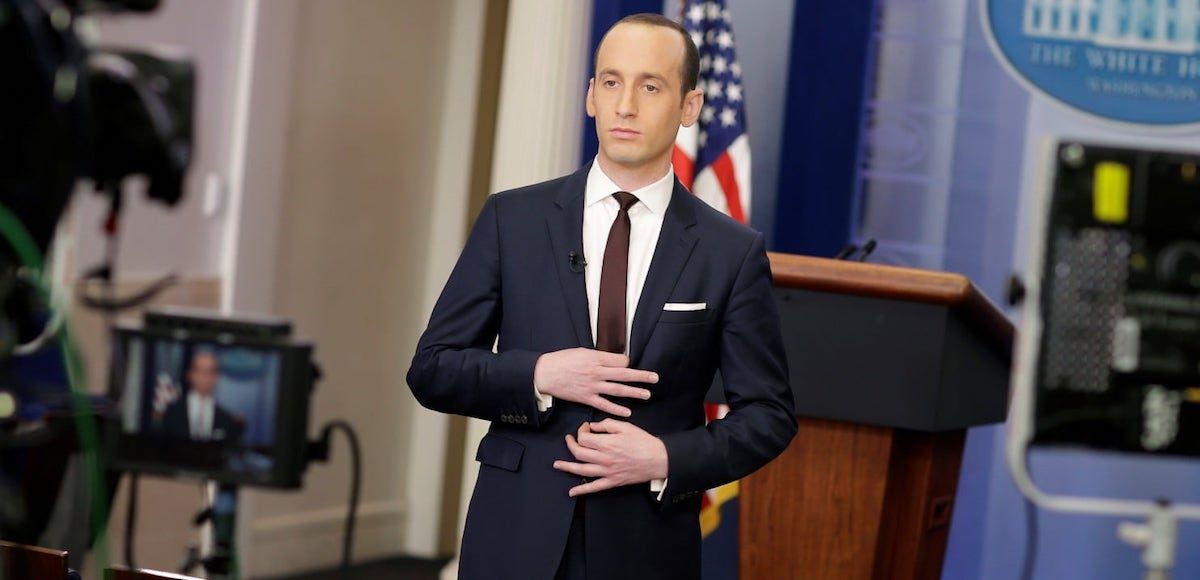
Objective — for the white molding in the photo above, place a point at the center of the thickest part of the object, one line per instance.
(542, 87)
(312, 540)
(286, 527)
(238, 148)
(257, 154)
(427, 439)
(541, 92)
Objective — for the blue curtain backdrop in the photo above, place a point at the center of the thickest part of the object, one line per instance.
(828, 77)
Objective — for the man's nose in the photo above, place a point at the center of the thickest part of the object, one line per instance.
(627, 104)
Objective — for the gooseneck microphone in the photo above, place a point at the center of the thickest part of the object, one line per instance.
(845, 252)
(867, 249)
(576, 262)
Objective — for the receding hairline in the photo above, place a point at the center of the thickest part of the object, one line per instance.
(684, 39)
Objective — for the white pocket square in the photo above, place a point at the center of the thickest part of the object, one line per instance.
(684, 306)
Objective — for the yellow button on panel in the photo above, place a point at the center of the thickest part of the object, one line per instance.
(1110, 196)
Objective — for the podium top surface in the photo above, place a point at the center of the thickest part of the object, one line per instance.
(954, 291)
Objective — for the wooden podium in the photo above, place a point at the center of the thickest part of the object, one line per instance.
(889, 366)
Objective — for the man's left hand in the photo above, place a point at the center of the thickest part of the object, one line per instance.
(614, 453)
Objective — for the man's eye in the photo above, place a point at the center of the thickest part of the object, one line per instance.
(652, 88)
(610, 83)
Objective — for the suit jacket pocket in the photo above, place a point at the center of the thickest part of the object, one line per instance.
(683, 316)
(500, 452)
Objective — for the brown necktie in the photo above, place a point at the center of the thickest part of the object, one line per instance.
(610, 320)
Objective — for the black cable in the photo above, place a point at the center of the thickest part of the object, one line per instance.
(355, 484)
(139, 298)
(131, 520)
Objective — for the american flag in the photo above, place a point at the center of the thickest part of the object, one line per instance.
(712, 157)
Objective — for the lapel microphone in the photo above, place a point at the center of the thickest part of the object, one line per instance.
(576, 262)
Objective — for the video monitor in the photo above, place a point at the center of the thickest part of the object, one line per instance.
(209, 405)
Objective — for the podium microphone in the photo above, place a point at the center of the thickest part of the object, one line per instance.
(845, 252)
(867, 249)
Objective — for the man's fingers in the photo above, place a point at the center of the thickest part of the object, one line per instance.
(626, 391)
(607, 406)
(584, 453)
(581, 469)
(624, 375)
(592, 486)
(608, 426)
(611, 359)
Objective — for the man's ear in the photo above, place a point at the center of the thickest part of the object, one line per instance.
(693, 102)
(589, 101)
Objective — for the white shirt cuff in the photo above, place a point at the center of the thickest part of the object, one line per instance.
(660, 486)
(543, 401)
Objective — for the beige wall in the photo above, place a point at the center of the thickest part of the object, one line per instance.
(342, 133)
(358, 183)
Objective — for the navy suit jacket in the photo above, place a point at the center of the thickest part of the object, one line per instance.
(514, 280)
(175, 423)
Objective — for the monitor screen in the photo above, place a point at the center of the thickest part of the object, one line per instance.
(198, 406)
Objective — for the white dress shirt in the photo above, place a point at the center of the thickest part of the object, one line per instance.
(200, 416)
(645, 220)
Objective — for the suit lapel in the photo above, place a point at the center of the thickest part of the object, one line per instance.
(565, 224)
(675, 244)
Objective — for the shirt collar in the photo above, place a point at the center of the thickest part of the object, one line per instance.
(655, 196)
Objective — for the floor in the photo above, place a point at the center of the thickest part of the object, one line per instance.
(390, 569)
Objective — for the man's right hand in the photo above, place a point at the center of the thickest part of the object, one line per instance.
(587, 376)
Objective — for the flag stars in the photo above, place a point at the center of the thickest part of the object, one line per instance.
(705, 63)
(696, 14)
(736, 69)
(725, 16)
(697, 39)
(733, 92)
(714, 90)
(728, 117)
(702, 138)
(725, 39)
(714, 11)
(707, 114)
(719, 64)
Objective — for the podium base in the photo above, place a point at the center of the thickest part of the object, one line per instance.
(851, 502)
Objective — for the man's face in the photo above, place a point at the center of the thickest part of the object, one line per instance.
(636, 96)
(202, 375)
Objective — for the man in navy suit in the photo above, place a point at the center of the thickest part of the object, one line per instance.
(196, 415)
(616, 296)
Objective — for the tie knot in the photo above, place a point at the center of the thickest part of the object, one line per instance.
(625, 199)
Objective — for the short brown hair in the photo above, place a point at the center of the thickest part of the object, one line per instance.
(690, 70)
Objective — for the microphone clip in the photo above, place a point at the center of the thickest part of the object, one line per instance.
(576, 262)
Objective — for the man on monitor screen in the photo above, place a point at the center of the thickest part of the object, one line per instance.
(196, 415)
